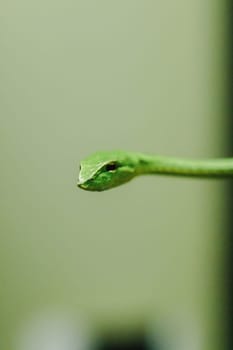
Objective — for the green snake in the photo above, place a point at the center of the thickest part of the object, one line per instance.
(105, 170)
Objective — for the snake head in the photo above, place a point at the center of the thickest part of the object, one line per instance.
(105, 170)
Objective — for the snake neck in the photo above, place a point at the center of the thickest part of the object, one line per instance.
(184, 167)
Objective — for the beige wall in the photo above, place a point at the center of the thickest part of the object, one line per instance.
(81, 76)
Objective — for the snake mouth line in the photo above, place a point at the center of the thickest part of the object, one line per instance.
(82, 185)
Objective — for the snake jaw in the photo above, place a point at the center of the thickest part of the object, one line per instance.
(82, 185)
(81, 181)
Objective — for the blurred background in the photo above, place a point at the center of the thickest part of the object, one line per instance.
(141, 266)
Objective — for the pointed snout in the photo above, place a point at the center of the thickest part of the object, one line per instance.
(81, 184)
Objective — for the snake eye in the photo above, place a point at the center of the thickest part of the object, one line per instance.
(111, 166)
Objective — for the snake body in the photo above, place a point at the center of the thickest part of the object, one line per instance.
(105, 170)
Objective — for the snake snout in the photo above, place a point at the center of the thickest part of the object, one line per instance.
(82, 185)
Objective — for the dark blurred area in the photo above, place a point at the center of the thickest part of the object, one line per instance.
(119, 342)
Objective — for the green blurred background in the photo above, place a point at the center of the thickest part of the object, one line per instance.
(81, 76)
